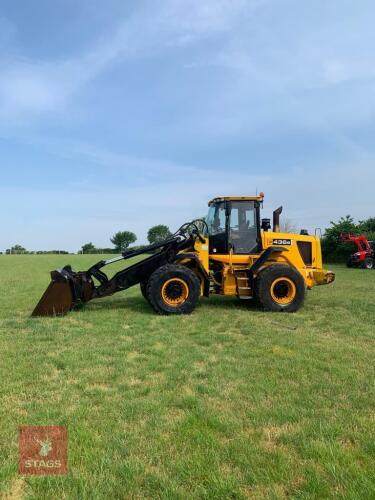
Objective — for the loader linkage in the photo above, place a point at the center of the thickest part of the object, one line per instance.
(69, 289)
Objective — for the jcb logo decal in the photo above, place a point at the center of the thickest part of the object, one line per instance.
(283, 242)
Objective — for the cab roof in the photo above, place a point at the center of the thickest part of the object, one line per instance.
(218, 199)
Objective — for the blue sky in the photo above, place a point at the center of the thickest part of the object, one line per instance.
(120, 115)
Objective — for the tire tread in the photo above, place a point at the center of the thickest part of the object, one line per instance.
(263, 285)
(165, 272)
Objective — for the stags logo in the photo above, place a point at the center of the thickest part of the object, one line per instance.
(43, 450)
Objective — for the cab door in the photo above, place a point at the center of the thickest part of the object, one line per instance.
(217, 222)
(243, 228)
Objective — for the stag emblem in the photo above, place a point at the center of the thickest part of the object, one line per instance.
(45, 447)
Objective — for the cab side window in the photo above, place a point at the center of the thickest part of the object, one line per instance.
(216, 221)
(218, 224)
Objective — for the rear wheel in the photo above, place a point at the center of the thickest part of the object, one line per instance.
(368, 263)
(280, 288)
(173, 289)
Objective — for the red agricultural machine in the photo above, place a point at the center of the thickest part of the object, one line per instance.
(364, 257)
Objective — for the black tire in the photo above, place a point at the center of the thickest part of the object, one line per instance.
(368, 263)
(349, 262)
(280, 288)
(173, 289)
(143, 287)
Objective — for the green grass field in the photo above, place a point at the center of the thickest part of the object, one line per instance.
(230, 402)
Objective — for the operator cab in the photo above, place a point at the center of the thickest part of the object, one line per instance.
(234, 225)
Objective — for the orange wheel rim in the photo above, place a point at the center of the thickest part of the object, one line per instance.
(175, 292)
(283, 291)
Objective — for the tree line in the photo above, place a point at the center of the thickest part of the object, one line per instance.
(120, 241)
(20, 250)
(333, 248)
(123, 239)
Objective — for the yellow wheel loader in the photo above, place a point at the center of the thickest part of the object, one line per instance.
(231, 252)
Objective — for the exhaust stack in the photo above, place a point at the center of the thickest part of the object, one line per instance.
(276, 219)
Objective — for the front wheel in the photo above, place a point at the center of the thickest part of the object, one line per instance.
(173, 289)
(368, 263)
(280, 288)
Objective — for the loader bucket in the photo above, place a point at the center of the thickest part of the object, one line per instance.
(58, 297)
(67, 290)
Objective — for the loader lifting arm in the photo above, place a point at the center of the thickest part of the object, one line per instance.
(69, 289)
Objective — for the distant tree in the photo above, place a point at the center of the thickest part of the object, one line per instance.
(367, 226)
(333, 248)
(122, 239)
(342, 226)
(158, 233)
(17, 249)
(103, 250)
(48, 252)
(88, 248)
(288, 226)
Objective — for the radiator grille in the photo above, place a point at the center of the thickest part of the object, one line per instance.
(305, 249)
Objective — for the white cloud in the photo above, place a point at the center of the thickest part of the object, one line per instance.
(278, 66)
(337, 71)
(67, 216)
(292, 66)
(30, 87)
(282, 68)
